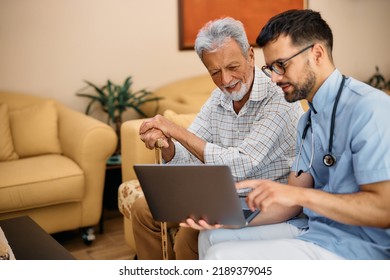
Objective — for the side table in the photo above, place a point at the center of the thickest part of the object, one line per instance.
(29, 241)
(111, 184)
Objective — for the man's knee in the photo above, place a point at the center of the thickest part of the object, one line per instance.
(187, 237)
(205, 236)
(186, 244)
(140, 210)
(139, 204)
(216, 252)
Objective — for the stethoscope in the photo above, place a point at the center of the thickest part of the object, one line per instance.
(329, 159)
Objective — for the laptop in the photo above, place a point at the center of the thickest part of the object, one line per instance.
(177, 192)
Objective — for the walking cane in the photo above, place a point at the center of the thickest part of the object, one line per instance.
(164, 233)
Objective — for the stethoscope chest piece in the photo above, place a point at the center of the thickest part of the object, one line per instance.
(329, 160)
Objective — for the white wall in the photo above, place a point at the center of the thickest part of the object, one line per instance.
(47, 47)
(361, 31)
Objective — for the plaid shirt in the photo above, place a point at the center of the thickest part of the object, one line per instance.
(258, 142)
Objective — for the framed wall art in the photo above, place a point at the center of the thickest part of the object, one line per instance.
(193, 14)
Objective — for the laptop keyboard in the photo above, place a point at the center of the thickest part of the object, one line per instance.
(247, 212)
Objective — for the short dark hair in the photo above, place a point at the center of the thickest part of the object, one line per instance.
(304, 27)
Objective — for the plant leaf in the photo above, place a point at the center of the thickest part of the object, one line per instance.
(116, 99)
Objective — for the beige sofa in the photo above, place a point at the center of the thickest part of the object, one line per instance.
(183, 96)
(52, 162)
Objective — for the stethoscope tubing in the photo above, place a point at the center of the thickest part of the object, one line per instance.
(329, 159)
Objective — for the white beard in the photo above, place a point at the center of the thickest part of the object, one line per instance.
(237, 95)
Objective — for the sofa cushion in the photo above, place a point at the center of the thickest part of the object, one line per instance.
(39, 181)
(35, 130)
(7, 151)
(183, 120)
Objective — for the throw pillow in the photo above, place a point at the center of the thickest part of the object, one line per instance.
(183, 120)
(35, 130)
(7, 151)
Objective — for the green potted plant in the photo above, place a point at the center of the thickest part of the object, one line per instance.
(116, 99)
(378, 81)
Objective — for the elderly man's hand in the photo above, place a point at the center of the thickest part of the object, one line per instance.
(161, 123)
(154, 138)
(155, 131)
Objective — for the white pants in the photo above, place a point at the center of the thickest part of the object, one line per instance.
(272, 242)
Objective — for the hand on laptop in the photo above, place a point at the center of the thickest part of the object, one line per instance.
(200, 225)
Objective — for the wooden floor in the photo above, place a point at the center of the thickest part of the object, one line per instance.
(109, 245)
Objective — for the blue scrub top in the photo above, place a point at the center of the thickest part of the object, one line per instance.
(361, 144)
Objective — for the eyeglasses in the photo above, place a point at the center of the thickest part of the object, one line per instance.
(278, 66)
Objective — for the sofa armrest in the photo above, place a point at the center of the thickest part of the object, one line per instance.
(133, 150)
(89, 143)
(83, 138)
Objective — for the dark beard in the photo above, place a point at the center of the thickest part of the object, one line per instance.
(302, 92)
